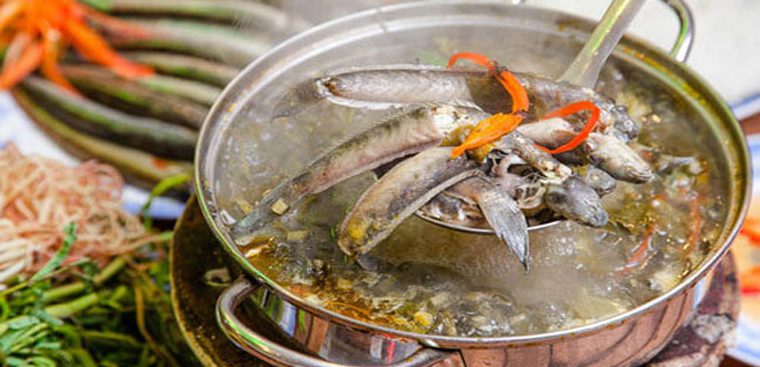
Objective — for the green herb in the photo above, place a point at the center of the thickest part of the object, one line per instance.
(160, 189)
(70, 237)
(78, 315)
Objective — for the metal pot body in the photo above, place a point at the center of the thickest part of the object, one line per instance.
(628, 343)
(516, 33)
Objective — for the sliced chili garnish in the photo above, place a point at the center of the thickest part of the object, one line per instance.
(8, 12)
(520, 101)
(474, 57)
(19, 69)
(488, 131)
(496, 126)
(751, 229)
(571, 109)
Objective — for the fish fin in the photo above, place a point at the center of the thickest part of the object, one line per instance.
(507, 220)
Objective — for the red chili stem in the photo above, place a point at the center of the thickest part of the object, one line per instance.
(474, 57)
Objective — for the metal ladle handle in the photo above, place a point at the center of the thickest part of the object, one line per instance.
(254, 343)
(685, 39)
(584, 70)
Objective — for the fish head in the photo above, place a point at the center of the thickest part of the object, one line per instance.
(575, 200)
(625, 127)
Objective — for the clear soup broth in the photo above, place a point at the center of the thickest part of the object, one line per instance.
(437, 281)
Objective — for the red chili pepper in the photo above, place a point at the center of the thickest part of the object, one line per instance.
(750, 291)
(49, 67)
(50, 23)
(751, 229)
(571, 109)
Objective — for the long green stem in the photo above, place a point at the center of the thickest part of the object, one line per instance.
(145, 96)
(152, 135)
(27, 283)
(215, 42)
(136, 164)
(108, 338)
(30, 336)
(68, 290)
(256, 14)
(187, 67)
(63, 310)
(195, 91)
(83, 357)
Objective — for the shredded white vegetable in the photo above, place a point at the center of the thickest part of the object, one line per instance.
(40, 196)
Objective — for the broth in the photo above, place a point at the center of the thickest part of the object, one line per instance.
(436, 281)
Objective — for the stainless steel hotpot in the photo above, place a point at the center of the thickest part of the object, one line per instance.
(527, 39)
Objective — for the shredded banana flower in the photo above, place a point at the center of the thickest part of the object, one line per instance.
(40, 196)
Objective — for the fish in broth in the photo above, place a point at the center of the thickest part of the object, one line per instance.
(449, 116)
(450, 283)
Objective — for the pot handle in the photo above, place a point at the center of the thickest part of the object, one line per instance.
(256, 344)
(685, 39)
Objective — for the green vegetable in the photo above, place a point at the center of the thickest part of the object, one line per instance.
(248, 13)
(162, 188)
(154, 96)
(74, 315)
(137, 164)
(159, 137)
(60, 255)
(217, 42)
(186, 67)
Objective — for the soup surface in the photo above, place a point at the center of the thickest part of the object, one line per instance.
(429, 279)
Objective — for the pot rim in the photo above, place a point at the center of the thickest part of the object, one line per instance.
(631, 49)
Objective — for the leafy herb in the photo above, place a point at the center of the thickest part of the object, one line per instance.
(78, 315)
